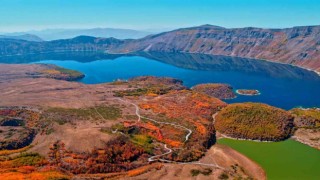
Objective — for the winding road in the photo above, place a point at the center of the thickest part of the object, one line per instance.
(169, 150)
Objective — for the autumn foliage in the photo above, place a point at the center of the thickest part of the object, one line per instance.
(189, 109)
(254, 121)
(117, 156)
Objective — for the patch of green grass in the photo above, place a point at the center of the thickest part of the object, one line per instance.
(118, 127)
(64, 115)
(109, 112)
(143, 141)
(134, 92)
(69, 72)
(27, 159)
(159, 90)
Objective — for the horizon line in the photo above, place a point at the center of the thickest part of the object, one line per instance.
(150, 30)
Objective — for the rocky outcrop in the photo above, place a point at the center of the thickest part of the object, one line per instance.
(306, 118)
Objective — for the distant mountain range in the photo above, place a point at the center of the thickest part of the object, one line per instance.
(298, 46)
(26, 37)
(55, 34)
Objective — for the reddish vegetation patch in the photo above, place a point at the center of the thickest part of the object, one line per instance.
(191, 110)
(147, 128)
(144, 169)
(191, 106)
(28, 166)
(118, 155)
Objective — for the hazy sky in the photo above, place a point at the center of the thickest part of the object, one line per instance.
(21, 15)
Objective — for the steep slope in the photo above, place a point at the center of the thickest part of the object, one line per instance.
(298, 45)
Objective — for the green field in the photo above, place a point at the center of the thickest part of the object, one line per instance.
(281, 160)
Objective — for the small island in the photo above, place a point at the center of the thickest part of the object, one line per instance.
(248, 92)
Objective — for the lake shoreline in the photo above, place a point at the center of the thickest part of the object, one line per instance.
(221, 136)
(136, 53)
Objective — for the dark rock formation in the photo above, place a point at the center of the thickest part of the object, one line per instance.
(306, 118)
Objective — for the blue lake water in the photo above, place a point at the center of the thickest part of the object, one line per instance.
(280, 85)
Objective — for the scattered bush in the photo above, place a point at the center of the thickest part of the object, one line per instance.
(223, 176)
(196, 172)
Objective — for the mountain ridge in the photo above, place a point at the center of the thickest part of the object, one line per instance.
(299, 46)
(56, 34)
(26, 37)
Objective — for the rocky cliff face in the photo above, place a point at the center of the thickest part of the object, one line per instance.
(298, 46)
